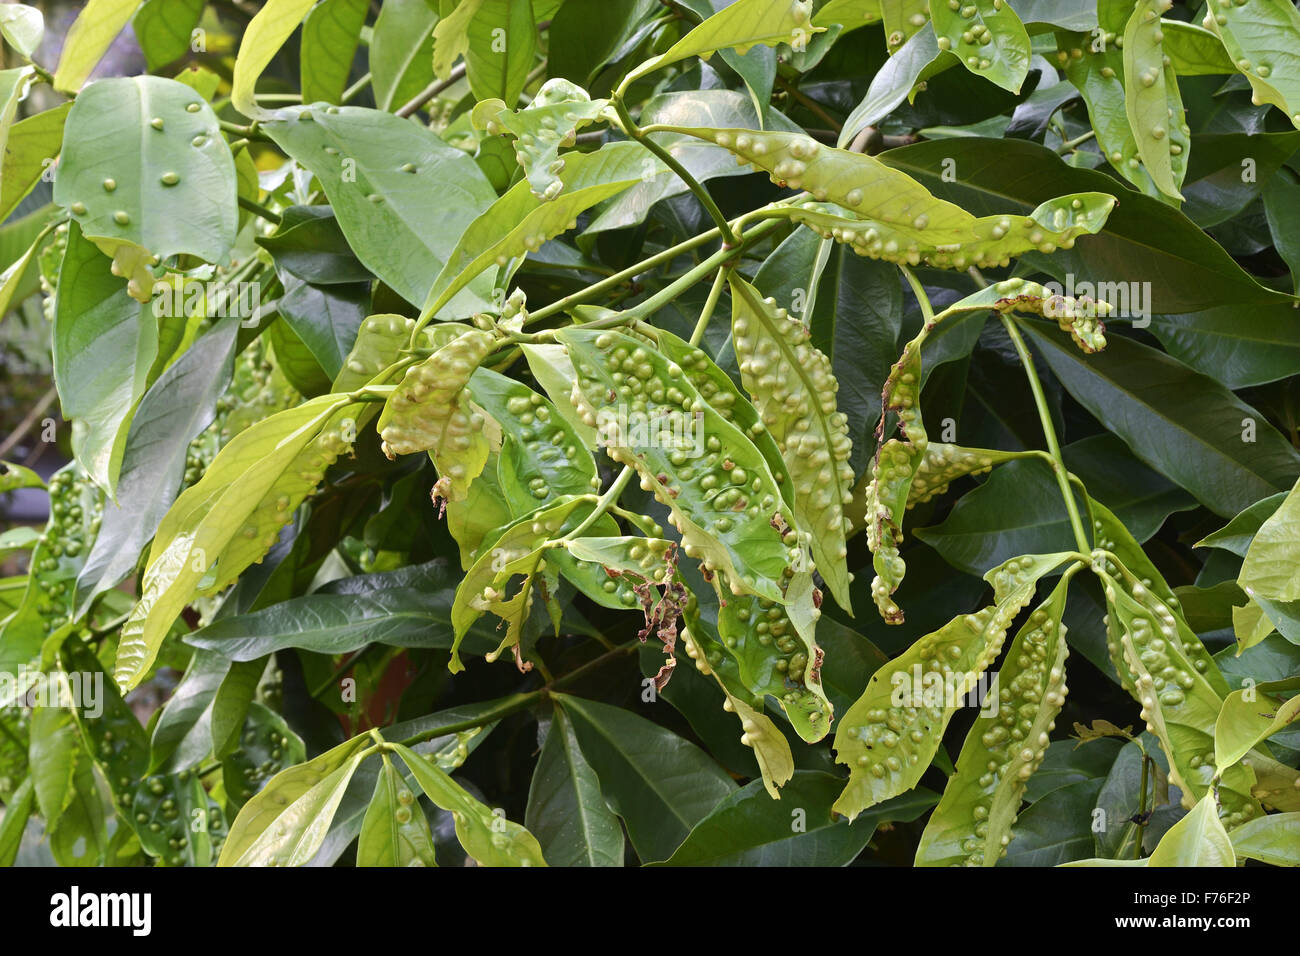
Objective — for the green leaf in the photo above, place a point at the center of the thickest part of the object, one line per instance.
(728, 527)
(1247, 718)
(22, 26)
(588, 34)
(486, 835)
(501, 41)
(401, 52)
(104, 345)
(1234, 346)
(750, 829)
(1271, 568)
(11, 279)
(294, 810)
(1218, 187)
(164, 29)
(1238, 533)
(262, 39)
(740, 25)
(566, 811)
(125, 189)
(395, 831)
(896, 81)
(402, 195)
(1146, 99)
(1262, 40)
(1144, 240)
(1198, 839)
(794, 393)
(1141, 394)
(406, 608)
(1193, 50)
(89, 38)
(13, 88)
(1273, 839)
(17, 812)
(32, 145)
(998, 46)
(889, 736)
(660, 784)
(519, 223)
(980, 804)
(330, 36)
(230, 518)
(1056, 829)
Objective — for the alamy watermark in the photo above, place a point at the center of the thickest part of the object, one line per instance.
(945, 689)
(83, 690)
(621, 426)
(1130, 300)
(178, 296)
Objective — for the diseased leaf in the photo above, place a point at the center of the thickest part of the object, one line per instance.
(486, 835)
(1262, 40)
(402, 196)
(980, 804)
(794, 393)
(889, 736)
(395, 831)
(125, 189)
(991, 42)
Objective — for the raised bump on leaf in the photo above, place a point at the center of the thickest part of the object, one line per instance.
(794, 393)
(890, 734)
(971, 826)
(721, 495)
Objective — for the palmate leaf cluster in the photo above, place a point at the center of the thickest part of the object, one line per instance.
(570, 433)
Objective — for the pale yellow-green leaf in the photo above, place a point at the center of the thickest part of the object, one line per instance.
(94, 30)
(1250, 625)
(281, 792)
(486, 834)
(1272, 565)
(263, 37)
(1198, 839)
(1247, 718)
(739, 26)
(1274, 839)
(451, 37)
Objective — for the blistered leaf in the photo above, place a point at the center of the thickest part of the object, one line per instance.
(1263, 38)
(1146, 93)
(1198, 839)
(973, 821)
(429, 411)
(402, 195)
(740, 26)
(1181, 709)
(127, 188)
(889, 736)
(550, 121)
(486, 835)
(987, 36)
(988, 241)
(721, 494)
(395, 831)
(794, 394)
